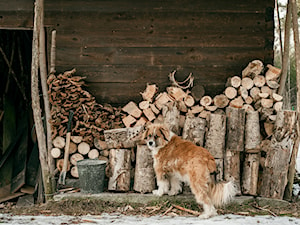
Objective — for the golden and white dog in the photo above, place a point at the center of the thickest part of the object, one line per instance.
(177, 160)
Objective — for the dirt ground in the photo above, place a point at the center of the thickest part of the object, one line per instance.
(171, 208)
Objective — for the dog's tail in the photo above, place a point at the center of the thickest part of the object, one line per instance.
(222, 193)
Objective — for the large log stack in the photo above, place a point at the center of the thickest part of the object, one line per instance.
(236, 126)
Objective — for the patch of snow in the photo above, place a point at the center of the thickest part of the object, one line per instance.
(117, 219)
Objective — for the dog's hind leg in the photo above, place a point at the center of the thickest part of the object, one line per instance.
(175, 183)
(199, 188)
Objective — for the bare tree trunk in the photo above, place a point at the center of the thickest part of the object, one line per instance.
(285, 58)
(291, 173)
(43, 154)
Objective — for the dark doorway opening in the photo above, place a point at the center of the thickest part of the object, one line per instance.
(16, 124)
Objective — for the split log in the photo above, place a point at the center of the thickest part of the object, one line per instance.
(215, 140)
(237, 102)
(194, 129)
(273, 72)
(248, 107)
(259, 80)
(144, 178)
(196, 109)
(176, 93)
(122, 137)
(234, 81)
(149, 93)
(250, 174)
(243, 92)
(128, 120)
(59, 142)
(99, 144)
(206, 101)
(84, 148)
(249, 100)
(154, 109)
(266, 89)
(277, 97)
(93, 154)
(149, 114)
(268, 128)
(266, 103)
(247, 83)
(144, 104)
(263, 95)
(141, 122)
(171, 116)
(235, 127)
(205, 114)
(232, 168)
(182, 106)
(75, 158)
(211, 108)
(161, 100)
(76, 139)
(273, 84)
(132, 109)
(278, 106)
(221, 101)
(189, 101)
(60, 163)
(198, 92)
(254, 93)
(118, 170)
(274, 178)
(230, 92)
(254, 68)
(252, 131)
(55, 153)
(72, 147)
(74, 172)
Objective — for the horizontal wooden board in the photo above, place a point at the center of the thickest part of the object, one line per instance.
(137, 5)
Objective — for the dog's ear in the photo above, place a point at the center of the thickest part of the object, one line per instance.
(165, 132)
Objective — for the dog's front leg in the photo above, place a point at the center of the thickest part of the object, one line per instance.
(163, 185)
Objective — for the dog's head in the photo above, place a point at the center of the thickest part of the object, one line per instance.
(156, 136)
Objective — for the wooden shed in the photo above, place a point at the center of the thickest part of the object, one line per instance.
(122, 45)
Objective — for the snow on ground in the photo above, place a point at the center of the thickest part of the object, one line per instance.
(117, 219)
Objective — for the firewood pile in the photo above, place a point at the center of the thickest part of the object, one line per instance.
(244, 128)
(67, 93)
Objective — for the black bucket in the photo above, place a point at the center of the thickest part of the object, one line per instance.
(91, 175)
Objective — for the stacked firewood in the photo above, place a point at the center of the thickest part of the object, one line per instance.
(67, 93)
(254, 90)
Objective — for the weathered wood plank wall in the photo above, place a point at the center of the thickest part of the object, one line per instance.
(122, 45)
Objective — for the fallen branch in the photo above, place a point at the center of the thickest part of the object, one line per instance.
(263, 209)
(186, 210)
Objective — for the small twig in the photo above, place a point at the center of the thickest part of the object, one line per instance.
(168, 210)
(186, 210)
(263, 209)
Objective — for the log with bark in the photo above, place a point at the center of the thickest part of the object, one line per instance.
(194, 129)
(274, 178)
(118, 170)
(144, 178)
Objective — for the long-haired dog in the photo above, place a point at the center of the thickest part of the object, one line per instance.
(177, 160)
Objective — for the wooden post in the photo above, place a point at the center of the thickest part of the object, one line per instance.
(194, 129)
(215, 140)
(119, 167)
(43, 152)
(274, 178)
(252, 154)
(235, 127)
(144, 178)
